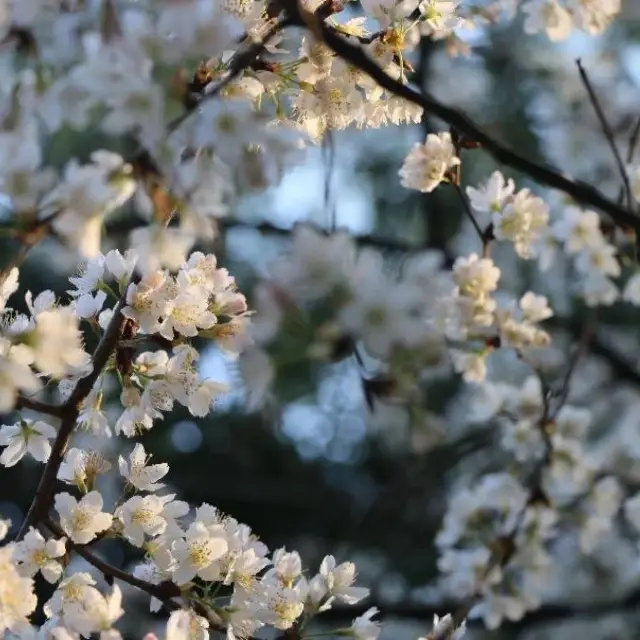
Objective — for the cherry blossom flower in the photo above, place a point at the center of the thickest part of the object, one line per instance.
(141, 515)
(444, 629)
(87, 194)
(426, 165)
(96, 613)
(82, 520)
(25, 437)
(548, 16)
(15, 374)
(34, 554)
(197, 552)
(140, 474)
(71, 592)
(364, 628)
(184, 624)
(17, 597)
(493, 195)
(81, 468)
(335, 581)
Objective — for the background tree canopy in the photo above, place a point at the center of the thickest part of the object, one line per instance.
(326, 466)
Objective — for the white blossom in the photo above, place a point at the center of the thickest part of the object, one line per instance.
(139, 474)
(184, 624)
(141, 515)
(476, 276)
(86, 195)
(444, 629)
(25, 437)
(81, 468)
(196, 553)
(364, 628)
(34, 554)
(82, 520)
(72, 591)
(548, 16)
(335, 581)
(426, 165)
(96, 613)
(17, 597)
(493, 194)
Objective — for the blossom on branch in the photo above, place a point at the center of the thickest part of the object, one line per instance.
(426, 165)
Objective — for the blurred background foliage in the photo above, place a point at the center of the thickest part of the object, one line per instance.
(320, 472)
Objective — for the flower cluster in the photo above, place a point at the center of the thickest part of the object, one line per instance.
(198, 551)
(245, 114)
(426, 165)
(333, 299)
(497, 540)
(45, 342)
(558, 19)
(492, 547)
(519, 217)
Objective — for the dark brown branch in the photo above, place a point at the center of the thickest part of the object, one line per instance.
(24, 402)
(578, 190)
(69, 412)
(164, 592)
(608, 133)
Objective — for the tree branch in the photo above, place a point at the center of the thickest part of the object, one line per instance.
(69, 412)
(24, 402)
(578, 190)
(164, 592)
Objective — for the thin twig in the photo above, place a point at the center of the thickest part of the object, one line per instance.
(631, 150)
(588, 333)
(466, 207)
(608, 132)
